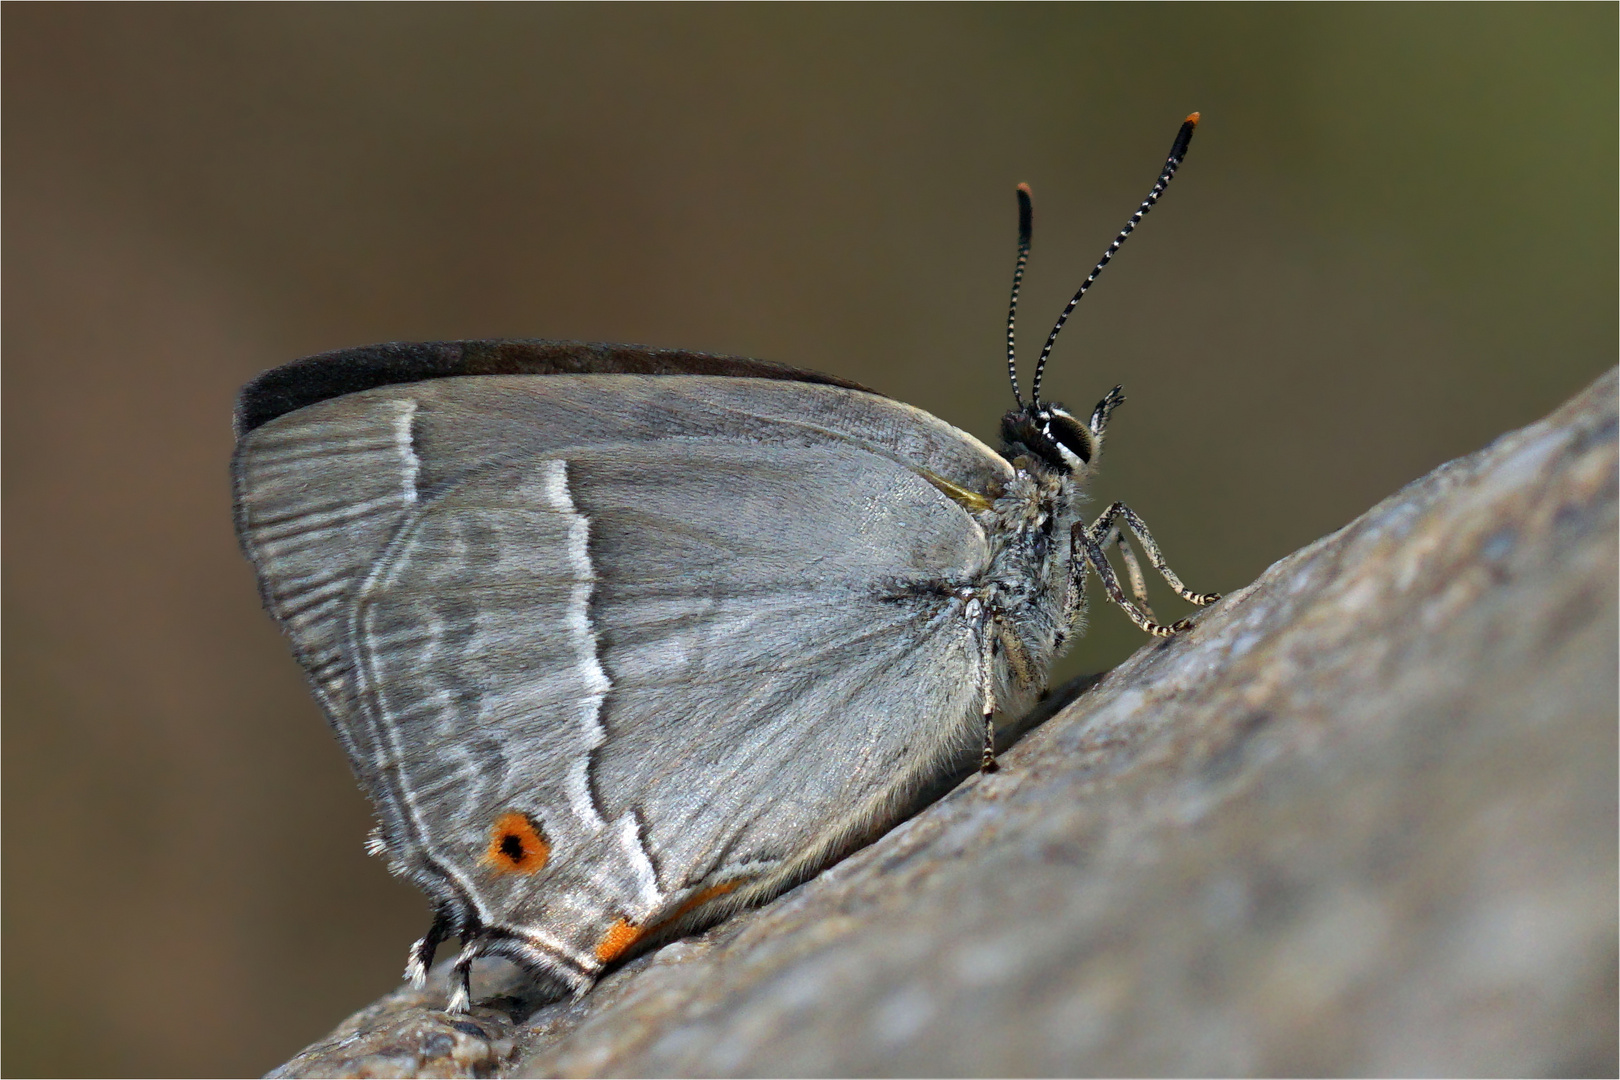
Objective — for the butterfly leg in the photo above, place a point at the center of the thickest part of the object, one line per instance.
(1133, 569)
(420, 957)
(1021, 669)
(987, 682)
(1088, 543)
(1150, 547)
(461, 977)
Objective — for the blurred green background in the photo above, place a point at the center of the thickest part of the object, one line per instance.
(1394, 238)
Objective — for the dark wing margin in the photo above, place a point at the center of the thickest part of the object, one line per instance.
(347, 371)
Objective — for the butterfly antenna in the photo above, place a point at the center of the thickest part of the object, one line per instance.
(1178, 150)
(1026, 221)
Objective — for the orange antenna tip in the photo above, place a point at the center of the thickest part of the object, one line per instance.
(1192, 118)
(1025, 189)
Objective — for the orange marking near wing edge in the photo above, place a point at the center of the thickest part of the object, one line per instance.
(619, 937)
(623, 934)
(516, 845)
(703, 897)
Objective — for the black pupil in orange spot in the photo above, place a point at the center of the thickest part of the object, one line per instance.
(512, 847)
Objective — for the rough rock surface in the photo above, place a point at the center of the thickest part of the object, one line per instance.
(1361, 819)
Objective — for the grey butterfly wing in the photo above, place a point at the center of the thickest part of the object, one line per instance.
(528, 620)
(801, 651)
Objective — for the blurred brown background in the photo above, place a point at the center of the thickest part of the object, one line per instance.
(1394, 238)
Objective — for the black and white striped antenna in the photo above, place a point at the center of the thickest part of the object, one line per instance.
(1178, 151)
(1026, 220)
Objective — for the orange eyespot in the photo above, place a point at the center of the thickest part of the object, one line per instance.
(516, 845)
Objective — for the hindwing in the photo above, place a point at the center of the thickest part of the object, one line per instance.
(609, 652)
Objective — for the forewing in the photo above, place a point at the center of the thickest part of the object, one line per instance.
(461, 425)
(687, 660)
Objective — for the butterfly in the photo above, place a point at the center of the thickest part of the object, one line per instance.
(621, 639)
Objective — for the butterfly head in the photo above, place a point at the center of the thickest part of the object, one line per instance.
(1054, 436)
(1043, 430)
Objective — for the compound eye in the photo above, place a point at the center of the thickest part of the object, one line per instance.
(1069, 434)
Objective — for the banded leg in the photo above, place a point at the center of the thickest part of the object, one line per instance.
(1132, 568)
(420, 957)
(987, 681)
(1150, 547)
(1105, 573)
(461, 978)
(1021, 668)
